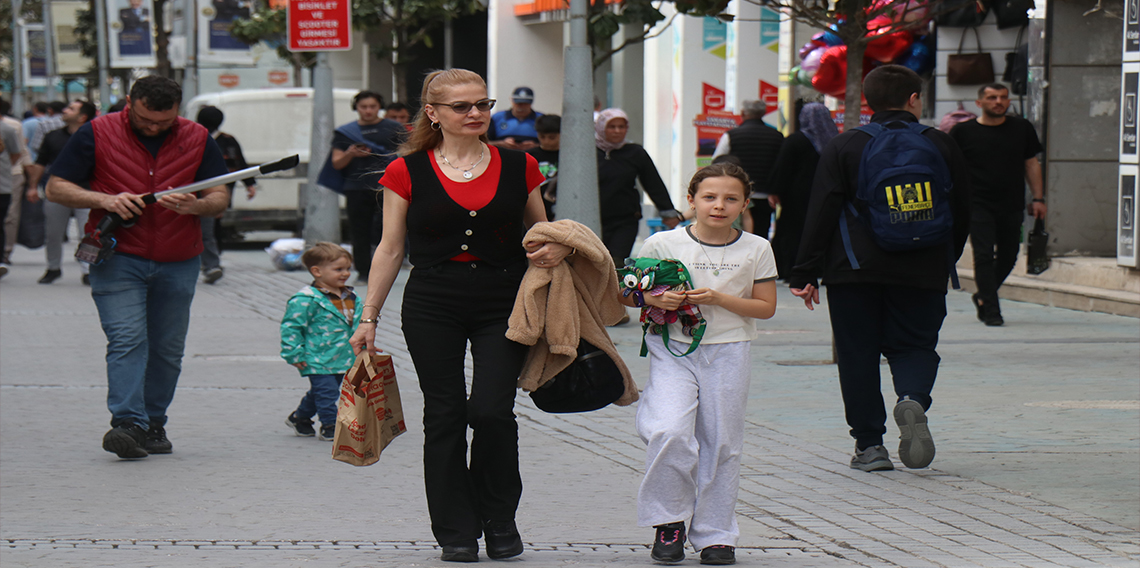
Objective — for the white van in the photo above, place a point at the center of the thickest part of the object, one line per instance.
(270, 124)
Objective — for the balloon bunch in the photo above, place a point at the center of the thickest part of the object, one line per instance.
(823, 60)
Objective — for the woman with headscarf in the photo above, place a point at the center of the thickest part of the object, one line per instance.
(792, 178)
(620, 165)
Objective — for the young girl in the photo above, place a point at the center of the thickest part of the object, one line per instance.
(691, 414)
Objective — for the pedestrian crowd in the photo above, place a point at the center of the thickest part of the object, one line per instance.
(879, 215)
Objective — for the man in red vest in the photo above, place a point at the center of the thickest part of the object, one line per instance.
(143, 292)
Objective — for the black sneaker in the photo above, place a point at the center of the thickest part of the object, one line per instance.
(718, 554)
(127, 441)
(86, 280)
(300, 427)
(669, 545)
(328, 431)
(156, 441)
(467, 551)
(502, 539)
(50, 276)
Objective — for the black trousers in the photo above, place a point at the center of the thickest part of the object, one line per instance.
(761, 217)
(5, 202)
(366, 223)
(445, 307)
(898, 322)
(619, 236)
(995, 237)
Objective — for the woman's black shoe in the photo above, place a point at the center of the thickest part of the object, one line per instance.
(502, 539)
(465, 552)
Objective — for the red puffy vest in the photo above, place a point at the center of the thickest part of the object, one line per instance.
(123, 164)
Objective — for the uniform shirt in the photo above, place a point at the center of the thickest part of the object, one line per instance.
(505, 125)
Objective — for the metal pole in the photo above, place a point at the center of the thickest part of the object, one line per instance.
(101, 39)
(578, 165)
(322, 209)
(190, 28)
(49, 53)
(448, 41)
(17, 61)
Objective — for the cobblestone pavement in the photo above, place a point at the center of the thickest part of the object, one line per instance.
(1050, 478)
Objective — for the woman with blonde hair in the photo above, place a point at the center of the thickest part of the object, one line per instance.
(464, 206)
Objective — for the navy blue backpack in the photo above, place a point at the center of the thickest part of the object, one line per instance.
(904, 184)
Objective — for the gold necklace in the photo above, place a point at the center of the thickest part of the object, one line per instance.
(466, 172)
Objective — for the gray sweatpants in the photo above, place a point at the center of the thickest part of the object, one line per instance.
(691, 416)
(56, 217)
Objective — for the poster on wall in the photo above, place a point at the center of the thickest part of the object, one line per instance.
(1132, 30)
(131, 24)
(35, 49)
(69, 59)
(1126, 223)
(1130, 89)
(215, 43)
(711, 125)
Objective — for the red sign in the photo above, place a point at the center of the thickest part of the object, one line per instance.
(770, 94)
(712, 98)
(710, 127)
(319, 25)
(228, 81)
(278, 77)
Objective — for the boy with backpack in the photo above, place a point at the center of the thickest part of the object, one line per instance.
(888, 218)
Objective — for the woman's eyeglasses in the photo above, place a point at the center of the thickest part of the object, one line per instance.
(463, 107)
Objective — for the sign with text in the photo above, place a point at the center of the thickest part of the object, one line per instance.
(1130, 90)
(320, 25)
(1126, 223)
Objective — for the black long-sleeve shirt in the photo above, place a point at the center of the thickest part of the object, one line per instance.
(618, 170)
(821, 250)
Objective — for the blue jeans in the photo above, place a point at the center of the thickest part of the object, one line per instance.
(321, 400)
(144, 307)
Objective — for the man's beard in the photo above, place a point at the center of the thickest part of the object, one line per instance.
(994, 113)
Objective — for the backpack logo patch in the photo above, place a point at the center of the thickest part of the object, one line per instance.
(911, 202)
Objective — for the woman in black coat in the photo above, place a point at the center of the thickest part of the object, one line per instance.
(792, 179)
(620, 165)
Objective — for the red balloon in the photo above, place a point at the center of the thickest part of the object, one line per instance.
(887, 47)
(831, 78)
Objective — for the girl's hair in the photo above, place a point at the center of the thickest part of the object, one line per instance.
(423, 137)
(722, 169)
(323, 252)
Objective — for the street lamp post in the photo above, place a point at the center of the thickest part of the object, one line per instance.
(578, 165)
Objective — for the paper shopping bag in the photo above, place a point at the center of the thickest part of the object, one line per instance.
(369, 415)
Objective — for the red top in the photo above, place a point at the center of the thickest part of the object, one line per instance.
(473, 195)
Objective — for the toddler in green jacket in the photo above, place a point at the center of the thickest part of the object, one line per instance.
(319, 319)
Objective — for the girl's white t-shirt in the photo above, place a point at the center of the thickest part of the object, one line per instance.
(745, 261)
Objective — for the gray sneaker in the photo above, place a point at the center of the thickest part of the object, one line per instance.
(874, 458)
(916, 447)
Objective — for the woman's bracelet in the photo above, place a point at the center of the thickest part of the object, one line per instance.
(375, 320)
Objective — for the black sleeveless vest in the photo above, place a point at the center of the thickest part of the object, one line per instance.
(757, 145)
(439, 228)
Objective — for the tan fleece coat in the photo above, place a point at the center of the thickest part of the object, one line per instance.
(558, 306)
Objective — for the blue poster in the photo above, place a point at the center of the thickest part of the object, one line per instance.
(715, 33)
(134, 35)
(225, 12)
(769, 26)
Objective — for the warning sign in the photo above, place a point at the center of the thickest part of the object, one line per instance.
(319, 25)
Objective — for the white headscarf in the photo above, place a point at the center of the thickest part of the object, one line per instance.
(603, 119)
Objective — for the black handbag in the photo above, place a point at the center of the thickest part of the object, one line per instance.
(1012, 13)
(31, 229)
(1017, 67)
(970, 68)
(961, 13)
(1038, 260)
(592, 381)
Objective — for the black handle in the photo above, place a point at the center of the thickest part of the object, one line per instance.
(282, 164)
(1039, 226)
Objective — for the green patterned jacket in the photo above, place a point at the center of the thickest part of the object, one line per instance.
(315, 332)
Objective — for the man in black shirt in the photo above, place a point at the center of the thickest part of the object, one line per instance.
(56, 216)
(1001, 151)
(361, 150)
(888, 303)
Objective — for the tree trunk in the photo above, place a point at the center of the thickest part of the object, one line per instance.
(161, 41)
(853, 101)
